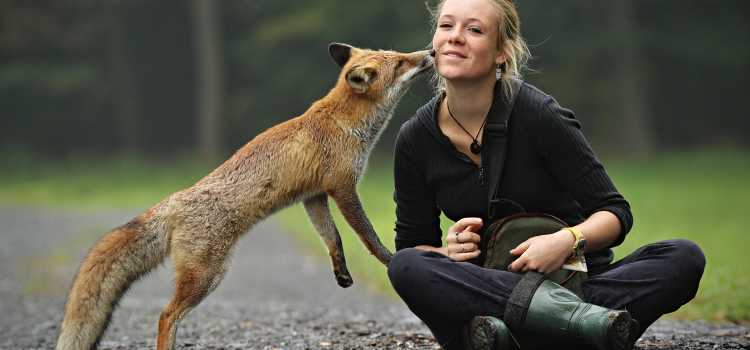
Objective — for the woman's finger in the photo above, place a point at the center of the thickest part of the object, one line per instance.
(521, 248)
(473, 228)
(464, 237)
(462, 224)
(470, 236)
(519, 264)
(460, 248)
(465, 256)
(469, 247)
(452, 237)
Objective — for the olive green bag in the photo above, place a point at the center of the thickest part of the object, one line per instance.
(510, 225)
(509, 232)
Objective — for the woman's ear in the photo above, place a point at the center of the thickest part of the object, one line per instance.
(502, 54)
(360, 78)
(501, 57)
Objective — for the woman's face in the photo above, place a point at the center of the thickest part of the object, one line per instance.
(466, 40)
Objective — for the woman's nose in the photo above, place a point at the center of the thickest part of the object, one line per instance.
(456, 36)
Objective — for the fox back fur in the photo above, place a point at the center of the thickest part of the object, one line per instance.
(319, 154)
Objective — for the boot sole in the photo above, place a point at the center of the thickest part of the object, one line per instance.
(635, 331)
(484, 333)
(619, 331)
(481, 334)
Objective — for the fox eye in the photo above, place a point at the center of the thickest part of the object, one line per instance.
(399, 64)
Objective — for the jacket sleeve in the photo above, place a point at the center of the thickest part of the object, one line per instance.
(574, 165)
(417, 214)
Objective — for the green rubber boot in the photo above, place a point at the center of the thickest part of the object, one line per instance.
(559, 314)
(489, 333)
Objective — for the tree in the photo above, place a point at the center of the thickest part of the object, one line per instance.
(635, 135)
(127, 106)
(209, 69)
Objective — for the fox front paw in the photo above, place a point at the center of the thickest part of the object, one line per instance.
(344, 280)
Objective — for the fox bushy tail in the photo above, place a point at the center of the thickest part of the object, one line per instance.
(116, 261)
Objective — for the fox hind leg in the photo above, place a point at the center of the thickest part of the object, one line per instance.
(197, 275)
(320, 215)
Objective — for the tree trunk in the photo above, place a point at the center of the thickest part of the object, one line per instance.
(629, 77)
(127, 102)
(209, 82)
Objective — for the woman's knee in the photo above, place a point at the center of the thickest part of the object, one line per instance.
(690, 257)
(689, 260)
(405, 265)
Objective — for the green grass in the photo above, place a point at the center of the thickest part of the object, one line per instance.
(698, 196)
(95, 182)
(701, 197)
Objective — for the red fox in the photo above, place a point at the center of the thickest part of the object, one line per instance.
(320, 154)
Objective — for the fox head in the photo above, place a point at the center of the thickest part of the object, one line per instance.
(378, 74)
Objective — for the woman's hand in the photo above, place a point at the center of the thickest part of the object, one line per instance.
(544, 253)
(463, 240)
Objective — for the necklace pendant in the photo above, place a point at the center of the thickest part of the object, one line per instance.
(475, 147)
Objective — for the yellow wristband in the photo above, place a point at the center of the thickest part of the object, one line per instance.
(575, 232)
(577, 237)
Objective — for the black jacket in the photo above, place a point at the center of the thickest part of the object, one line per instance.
(549, 168)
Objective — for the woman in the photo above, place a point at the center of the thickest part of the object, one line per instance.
(549, 168)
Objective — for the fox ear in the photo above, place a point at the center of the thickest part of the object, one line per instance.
(340, 53)
(360, 78)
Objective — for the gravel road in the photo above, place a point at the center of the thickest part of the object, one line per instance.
(275, 296)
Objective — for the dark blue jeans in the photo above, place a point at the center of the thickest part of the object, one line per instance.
(654, 280)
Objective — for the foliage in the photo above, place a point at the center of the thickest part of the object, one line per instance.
(112, 76)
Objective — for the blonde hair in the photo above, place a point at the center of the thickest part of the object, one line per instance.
(514, 46)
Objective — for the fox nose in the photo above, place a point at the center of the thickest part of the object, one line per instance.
(432, 52)
(427, 60)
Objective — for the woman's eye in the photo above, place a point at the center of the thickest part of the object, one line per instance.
(445, 25)
(475, 30)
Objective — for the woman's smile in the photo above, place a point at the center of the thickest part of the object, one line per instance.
(454, 54)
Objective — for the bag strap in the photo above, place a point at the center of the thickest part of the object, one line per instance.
(495, 141)
(519, 300)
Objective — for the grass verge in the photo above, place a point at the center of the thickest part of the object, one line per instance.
(698, 196)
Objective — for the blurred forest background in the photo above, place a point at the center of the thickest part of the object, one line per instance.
(156, 78)
(118, 103)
